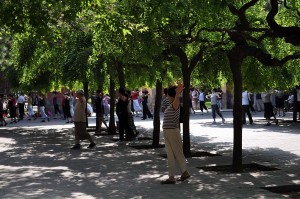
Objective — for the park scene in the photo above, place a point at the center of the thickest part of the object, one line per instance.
(149, 99)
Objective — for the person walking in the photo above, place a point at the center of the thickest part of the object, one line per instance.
(246, 106)
(71, 101)
(2, 120)
(195, 96)
(30, 108)
(99, 112)
(106, 105)
(42, 104)
(202, 101)
(21, 106)
(12, 107)
(146, 111)
(56, 106)
(67, 107)
(172, 137)
(219, 100)
(122, 113)
(279, 102)
(259, 103)
(268, 108)
(135, 98)
(80, 122)
(214, 96)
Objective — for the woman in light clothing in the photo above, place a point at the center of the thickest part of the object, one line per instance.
(172, 136)
(80, 121)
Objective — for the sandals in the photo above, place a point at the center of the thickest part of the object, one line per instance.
(168, 181)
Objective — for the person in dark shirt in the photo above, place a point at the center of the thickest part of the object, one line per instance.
(122, 113)
(146, 111)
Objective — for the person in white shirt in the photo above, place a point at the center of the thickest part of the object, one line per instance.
(21, 105)
(214, 105)
(246, 106)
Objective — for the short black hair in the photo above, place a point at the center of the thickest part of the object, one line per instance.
(166, 91)
(172, 91)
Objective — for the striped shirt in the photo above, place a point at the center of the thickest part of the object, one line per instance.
(165, 103)
(171, 118)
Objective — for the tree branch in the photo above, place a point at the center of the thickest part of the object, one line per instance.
(241, 14)
(266, 59)
(290, 34)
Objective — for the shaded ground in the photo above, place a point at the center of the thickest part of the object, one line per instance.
(36, 162)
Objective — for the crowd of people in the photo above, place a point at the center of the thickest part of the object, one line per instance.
(129, 103)
(274, 103)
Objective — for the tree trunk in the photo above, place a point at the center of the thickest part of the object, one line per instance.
(112, 125)
(121, 76)
(156, 121)
(186, 111)
(99, 75)
(101, 79)
(86, 95)
(235, 60)
(296, 106)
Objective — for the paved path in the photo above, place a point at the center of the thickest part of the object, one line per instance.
(36, 162)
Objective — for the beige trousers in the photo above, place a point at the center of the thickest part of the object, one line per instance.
(173, 145)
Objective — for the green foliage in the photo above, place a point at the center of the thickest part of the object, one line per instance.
(61, 43)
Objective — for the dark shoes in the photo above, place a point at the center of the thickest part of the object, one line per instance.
(185, 175)
(183, 178)
(76, 146)
(168, 181)
(92, 145)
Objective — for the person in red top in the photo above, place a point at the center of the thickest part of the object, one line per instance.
(135, 99)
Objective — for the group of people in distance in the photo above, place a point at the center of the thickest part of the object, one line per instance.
(128, 103)
(283, 102)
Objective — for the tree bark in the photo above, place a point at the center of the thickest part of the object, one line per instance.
(112, 125)
(156, 121)
(186, 112)
(235, 60)
(296, 106)
(121, 76)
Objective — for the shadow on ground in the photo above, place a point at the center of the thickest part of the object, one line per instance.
(39, 164)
